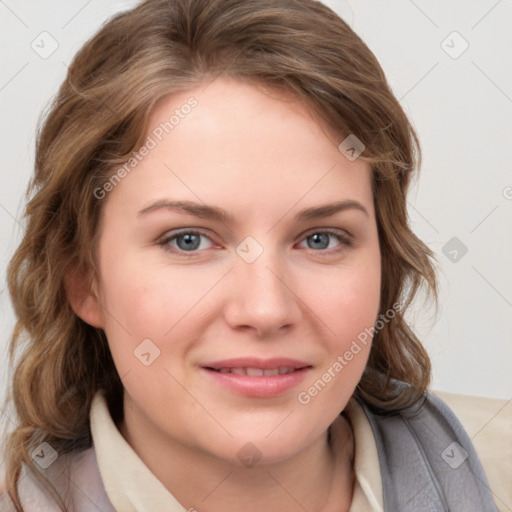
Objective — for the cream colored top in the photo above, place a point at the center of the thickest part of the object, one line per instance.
(131, 487)
(113, 467)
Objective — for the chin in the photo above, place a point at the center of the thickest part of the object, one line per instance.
(257, 447)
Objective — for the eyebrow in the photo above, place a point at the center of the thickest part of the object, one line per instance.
(205, 211)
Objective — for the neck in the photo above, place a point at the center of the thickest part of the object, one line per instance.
(319, 478)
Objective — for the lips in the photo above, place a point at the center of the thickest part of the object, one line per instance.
(253, 377)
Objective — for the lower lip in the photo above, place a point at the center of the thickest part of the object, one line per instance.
(266, 386)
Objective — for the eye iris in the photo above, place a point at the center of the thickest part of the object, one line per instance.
(320, 241)
(191, 241)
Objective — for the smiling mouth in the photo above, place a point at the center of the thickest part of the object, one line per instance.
(256, 372)
(254, 377)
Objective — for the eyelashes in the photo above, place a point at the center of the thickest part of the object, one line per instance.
(343, 239)
(190, 243)
(190, 238)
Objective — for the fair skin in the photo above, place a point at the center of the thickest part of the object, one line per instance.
(263, 158)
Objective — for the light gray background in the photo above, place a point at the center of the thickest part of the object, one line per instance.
(461, 106)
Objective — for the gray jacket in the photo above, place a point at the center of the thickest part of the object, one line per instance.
(427, 463)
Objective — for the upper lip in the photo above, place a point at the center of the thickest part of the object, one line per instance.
(254, 362)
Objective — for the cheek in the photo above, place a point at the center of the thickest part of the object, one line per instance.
(346, 301)
(347, 304)
(161, 304)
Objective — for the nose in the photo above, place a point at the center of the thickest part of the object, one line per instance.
(262, 298)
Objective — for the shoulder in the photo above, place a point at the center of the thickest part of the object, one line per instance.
(428, 459)
(488, 423)
(77, 479)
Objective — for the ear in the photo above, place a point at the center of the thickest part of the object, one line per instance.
(83, 298)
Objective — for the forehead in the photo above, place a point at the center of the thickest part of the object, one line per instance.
(235, 144)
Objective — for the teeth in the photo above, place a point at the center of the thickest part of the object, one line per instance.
(254, 372)
(258, 372)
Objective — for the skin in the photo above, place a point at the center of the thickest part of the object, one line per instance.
(262, 157)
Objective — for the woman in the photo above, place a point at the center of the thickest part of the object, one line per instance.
(214, 277)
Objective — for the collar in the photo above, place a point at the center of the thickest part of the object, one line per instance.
(132, 487)
(368, 496)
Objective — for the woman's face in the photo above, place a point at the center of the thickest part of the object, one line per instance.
(231, 316)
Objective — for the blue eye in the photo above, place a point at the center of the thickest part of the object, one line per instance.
(322, 240)
(191, 242)
(186, 241)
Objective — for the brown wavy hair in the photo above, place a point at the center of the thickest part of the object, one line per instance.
(99, 117)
